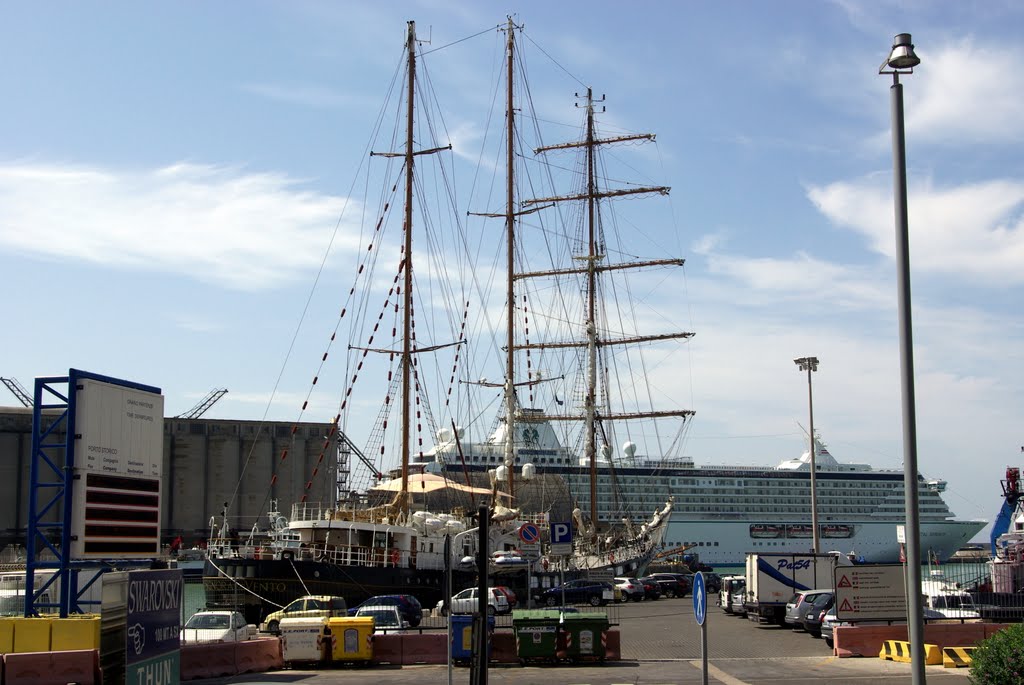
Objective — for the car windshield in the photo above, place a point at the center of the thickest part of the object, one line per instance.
(382, 617)
(205, 621)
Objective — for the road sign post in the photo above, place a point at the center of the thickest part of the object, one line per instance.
(700, 610)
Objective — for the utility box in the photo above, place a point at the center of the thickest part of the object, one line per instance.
(303, 640)
(351, 638)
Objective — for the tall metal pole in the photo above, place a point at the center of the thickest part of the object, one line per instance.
(915, 618)
(810, 364)
(815, 545)
(510, 226)
(407, 307)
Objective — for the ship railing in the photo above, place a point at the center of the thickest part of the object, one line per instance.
(357, 555)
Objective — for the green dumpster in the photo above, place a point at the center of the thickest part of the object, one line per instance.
(536, 633)
(583, 636)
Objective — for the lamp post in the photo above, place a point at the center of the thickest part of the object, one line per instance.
(810, 364)
(902, 60)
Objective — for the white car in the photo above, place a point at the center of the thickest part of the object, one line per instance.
(631, 588)
(466, 602)
(386, 619)
(215, 626)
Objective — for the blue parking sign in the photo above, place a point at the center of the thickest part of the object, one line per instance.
(561, 533)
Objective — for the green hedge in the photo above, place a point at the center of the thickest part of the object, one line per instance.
(999, 660)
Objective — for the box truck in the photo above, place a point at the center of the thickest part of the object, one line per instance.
(772, 578)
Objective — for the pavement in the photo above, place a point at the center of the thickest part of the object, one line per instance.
(661, 644)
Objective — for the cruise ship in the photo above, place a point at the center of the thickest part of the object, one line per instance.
(723, 512)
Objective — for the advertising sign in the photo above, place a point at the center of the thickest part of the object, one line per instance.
(870, 592)
(152, 647)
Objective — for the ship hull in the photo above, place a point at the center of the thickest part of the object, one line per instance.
(726, 543)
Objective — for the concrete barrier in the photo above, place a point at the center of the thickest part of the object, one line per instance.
(387, 649)
(868, 640)
(52, 668)
(424, 648)
(207, 660)
(898, 650)
(259, 655)
(955, 657)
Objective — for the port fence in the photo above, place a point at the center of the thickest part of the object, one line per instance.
(236, 598)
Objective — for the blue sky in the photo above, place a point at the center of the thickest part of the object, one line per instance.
(170, 176)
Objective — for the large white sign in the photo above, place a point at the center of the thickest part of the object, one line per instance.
(870, 592)
(118, 464)
(122, 430)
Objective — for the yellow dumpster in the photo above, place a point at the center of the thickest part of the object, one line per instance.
(75, 632)
(32, 634)
(351, 638)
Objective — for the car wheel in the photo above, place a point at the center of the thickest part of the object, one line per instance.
(625, 598)
(274, 628)
(595, 601)
(671, 594)
(551, 601)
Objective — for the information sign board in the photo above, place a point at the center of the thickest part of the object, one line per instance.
(870, 592)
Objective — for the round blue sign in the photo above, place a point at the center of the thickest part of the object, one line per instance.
(700, 598)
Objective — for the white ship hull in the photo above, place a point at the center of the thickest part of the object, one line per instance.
(725, 543)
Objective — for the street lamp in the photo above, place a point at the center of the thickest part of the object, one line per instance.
(810, 364)
(902, 60)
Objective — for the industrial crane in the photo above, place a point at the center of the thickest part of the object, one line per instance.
(204, 404)
(19, 391)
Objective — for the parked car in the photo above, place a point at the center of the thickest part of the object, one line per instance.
(652, 590)
(466, 602)
(215, 626)
(678, 584)
(795, 609)
(386, 618)
(408, 607)
(510, 595)
(631, 588)
(814, 612)
(310, 606)
(737, 599)
(712, 581)
(582, 591)
(829, 622)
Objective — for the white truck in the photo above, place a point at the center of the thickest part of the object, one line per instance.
(772, 578)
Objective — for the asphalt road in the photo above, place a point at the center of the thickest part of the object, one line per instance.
(660, 645)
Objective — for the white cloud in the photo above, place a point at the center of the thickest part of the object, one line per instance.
(973, 232)
(964, 93)
(243, 230)
(307, 95)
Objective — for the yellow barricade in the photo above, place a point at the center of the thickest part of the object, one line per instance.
(899, 650)
(32, 634)
(955, 657)
(75, 632)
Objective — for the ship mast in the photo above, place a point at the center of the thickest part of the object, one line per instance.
(407, 258)
(510, 225)
(590, 402)
(594, 266)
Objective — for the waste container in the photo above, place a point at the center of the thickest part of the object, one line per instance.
(462, 637)
(351, 638)
(536, 633)
(303, 640)
(583, 635)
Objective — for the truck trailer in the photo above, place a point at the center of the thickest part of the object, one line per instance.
(772, 578)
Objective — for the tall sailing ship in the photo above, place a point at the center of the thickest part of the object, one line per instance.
(400, 535)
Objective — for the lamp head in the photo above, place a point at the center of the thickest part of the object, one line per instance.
(902, 55)
(805, 363)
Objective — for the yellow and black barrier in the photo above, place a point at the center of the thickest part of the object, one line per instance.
(899, 650)
(955, 657)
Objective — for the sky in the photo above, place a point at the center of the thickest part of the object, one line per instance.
(172, 175)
